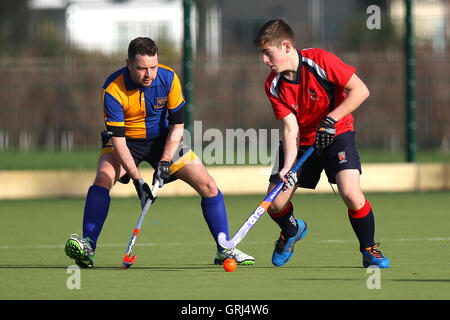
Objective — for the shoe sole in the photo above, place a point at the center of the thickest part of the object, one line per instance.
(367, 264)
(300, 237)
(242, 263)
(73, 251)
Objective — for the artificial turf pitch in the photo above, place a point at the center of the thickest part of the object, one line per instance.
(176, 252)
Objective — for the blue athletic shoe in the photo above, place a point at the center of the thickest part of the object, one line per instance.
(284, 248)
(373, 257)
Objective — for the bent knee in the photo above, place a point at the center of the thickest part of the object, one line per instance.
(353, 198)
(277, 207)
(209, 188)
(105, 179)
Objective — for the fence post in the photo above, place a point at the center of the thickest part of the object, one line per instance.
(411, 125)
(188, 84)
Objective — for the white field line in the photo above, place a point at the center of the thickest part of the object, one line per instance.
(151, 244)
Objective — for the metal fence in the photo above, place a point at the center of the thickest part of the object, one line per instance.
(50, 87)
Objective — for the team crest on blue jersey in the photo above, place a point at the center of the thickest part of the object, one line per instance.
(161, 102)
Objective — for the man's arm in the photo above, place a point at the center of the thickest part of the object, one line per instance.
(173, 140)
(126, 159)
(291, 136)
(357, 93)
(127, 162)
(162, 170)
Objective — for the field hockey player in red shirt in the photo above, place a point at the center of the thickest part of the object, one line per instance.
(313, 93)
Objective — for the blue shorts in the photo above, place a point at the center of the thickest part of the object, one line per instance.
(341, 155)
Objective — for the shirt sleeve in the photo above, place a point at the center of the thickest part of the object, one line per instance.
(175, 99)
(113, 113)
(337, 71)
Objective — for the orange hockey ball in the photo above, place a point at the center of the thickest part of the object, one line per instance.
(229, 265)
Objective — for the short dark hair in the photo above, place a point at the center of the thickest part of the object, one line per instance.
(274, 32)
(142, 46)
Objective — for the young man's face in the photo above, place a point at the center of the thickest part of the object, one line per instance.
(143, 69)
(275, 57)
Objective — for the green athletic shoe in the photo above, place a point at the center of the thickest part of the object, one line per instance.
(81, 250)
(240, 257)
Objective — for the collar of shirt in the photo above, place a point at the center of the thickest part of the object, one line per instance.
(298, 76)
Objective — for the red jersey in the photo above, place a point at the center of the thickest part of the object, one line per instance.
(317, 90)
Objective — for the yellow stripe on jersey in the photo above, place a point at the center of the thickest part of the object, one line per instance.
(115, 124)
(175, 95)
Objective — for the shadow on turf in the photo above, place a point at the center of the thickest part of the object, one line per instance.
(422, 280)
(31, 267)
(174, 268)
(161, 268)
(348, 279)
(217, 267)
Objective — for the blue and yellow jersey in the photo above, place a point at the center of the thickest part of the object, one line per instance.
(142, 112)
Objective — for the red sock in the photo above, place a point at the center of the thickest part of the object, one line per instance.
(361, 213)
(282, 213)
(363, 224)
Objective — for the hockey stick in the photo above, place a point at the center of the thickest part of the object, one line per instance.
(263, 206)
(128, 260)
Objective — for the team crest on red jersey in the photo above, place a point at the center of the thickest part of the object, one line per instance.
(313, 95)
(342, 157)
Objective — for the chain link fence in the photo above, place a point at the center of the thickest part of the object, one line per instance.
(50, 80)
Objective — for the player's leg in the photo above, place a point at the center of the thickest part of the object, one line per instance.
(82, 249)
(359, 210)
(212, 203)
(98, 199)
(292, 230)
(361, 217)
(213, 207)
(195, 174)
(343, 167)
(282, 210)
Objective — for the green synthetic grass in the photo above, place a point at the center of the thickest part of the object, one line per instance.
(176, 252)
(48, 160)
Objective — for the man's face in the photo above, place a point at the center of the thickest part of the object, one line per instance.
(143, 69)
(275, 57)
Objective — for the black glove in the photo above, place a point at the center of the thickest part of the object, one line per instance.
(143, 191)
(325, 133)
(162, 173)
